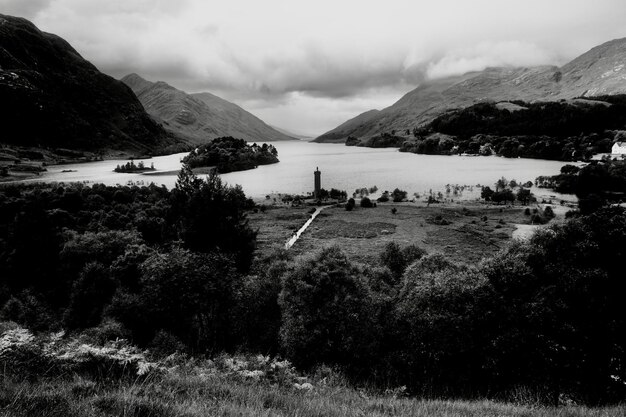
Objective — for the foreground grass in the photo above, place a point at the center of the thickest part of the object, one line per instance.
(218, 395)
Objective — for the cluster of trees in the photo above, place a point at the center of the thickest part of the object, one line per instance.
(131, 167)
(596, 184)
(397, 196)
(554, 119)
(432, 144)
(228, 154)
(174, 269)
(505, 192)
(334, 193)
(546, 315)
(566, 131)
(549, 130)
(384, 140)
(156, 261)
(364, 192)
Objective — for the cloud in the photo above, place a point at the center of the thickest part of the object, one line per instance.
(320, 55)
(24, 8)
(489, 54)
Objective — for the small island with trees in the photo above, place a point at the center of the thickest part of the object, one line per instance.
(228, 154)
(132, 167)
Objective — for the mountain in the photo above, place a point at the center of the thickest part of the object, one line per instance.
(54, 100)
(357, 126)
(298, 136)
(199, 117)
(600, 71)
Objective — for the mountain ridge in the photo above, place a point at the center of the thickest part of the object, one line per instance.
(52, 98)
(599, 71)
(199, 117)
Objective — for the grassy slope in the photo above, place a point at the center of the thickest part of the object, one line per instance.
(185, 395)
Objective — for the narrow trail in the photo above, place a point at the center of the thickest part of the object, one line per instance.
(295, 237)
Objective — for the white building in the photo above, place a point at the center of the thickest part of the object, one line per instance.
(619, 148)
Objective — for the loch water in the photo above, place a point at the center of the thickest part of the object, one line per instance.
(342, 167)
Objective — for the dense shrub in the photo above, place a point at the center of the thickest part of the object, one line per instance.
(213, 217)
(66, 249)
(366, 202)
(559, 309)
(190, 295)
(397, 259)
(595, 184)
(326, 306)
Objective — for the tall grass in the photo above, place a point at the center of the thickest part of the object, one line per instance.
(56, 376)
(191, 395)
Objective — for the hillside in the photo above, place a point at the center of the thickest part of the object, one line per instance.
(601, 71)
(54, 100)
(199, 117)
(356, 126)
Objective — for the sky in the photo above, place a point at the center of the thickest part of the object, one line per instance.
(308, 66)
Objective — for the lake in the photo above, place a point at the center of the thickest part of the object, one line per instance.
(342, 167)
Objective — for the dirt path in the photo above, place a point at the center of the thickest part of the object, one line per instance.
(296, 235)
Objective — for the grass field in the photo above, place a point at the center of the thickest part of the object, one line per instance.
(220, 395)
(464, 232)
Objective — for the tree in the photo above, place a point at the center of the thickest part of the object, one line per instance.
(326, 308)
(398, 195)
(523, 195)
(91, 293)
(397, 259)
(560, 310)
(486, 193)
(187, 182)
(189, 295)
(501, 184)
(212, 217)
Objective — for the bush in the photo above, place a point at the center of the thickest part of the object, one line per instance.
(326, 308)
(190, 295)
(366, 202)
(397, 259)
(566, 285)
(213, 217)
(398, 195)
(548, 212)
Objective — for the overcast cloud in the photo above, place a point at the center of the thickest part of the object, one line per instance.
(309, 66)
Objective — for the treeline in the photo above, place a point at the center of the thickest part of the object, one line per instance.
(147, 258)
(175, 270)
(554, 119)
(567, 131)
(596, 184)
(384, 140)
(564, 130)
(228, 154)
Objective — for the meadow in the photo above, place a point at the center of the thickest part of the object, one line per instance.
(466, 231)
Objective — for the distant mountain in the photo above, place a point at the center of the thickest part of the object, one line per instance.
(600, 71)
(293, 135)
(358, 126)
(51, 98)
(199, 117)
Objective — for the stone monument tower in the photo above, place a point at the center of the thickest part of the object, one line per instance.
(318, 182)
